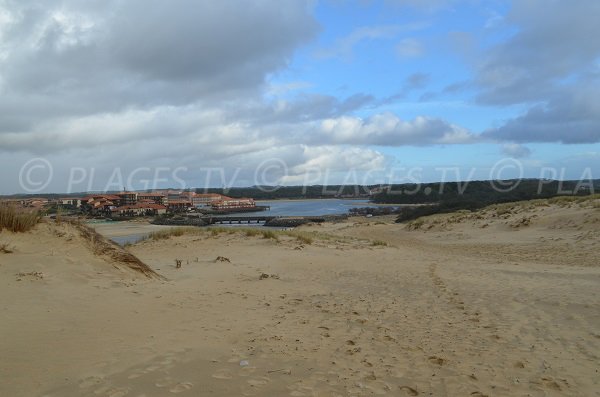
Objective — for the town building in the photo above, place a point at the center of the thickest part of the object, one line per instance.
(158, 198)
(140, 209)
(229, 203)
(128, 198)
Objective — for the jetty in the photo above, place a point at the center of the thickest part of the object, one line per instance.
(274, 221)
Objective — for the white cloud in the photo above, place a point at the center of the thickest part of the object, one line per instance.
(410, 48)
(344, 46)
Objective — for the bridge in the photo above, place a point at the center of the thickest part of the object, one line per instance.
(237, 219)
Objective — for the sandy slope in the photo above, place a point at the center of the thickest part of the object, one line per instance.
(452, 308)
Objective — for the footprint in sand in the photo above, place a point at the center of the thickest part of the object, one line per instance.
(135, 375)
(164, 382)
(247, 371)
(437, 360)
(89, 382)
(409, 390)
(222, 374)
(258, 382)
(117, 393)
(181, 387)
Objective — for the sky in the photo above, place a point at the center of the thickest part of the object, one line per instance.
(142, 94)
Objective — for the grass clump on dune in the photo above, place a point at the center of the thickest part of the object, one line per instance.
(379, 243)
(17, 221)
(269, 234)
(173, 232)
(302, 237)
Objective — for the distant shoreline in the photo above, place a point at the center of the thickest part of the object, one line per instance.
(309, 199)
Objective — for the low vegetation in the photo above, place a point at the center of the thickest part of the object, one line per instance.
(501, 209)
(302, 237)
(5, 249)
(17, 221)
(379, 243)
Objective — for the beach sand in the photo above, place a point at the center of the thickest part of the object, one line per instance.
(502, 302)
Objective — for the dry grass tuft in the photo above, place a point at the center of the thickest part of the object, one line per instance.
(173, 232)
(275, 235)
(304, 238)
(379, 243)
(5, 249)
(269, 234)
(17, 221)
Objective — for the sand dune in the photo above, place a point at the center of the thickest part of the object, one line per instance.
(481, 304)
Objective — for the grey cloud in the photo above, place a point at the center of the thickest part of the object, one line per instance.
(132, 83)
(415, 81)
(573, 118)
(550, 64)
(75, 58)
(555, 41)
(515, 150)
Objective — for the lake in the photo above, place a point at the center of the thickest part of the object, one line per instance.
(310, 207)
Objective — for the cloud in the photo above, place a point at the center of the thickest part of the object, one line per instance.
(553, 43)
(344, 46)
(550, 65)
(572, 118)
(109, 56)
(387, 129)
(416, 81)
(515, 150)
(148, 84)
(425, 5)
(409, 48)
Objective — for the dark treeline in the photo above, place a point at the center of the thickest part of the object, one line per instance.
(476, 192)
(479, 192)
(291, 192)
(450, 197)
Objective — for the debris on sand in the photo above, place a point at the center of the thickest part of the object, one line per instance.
(30, 276)
(222, 259)
(265, 276)
(5, 249)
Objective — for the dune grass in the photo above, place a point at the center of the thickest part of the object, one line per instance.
(379, 243)
(15, 220)
(101, 246)
(275, 235)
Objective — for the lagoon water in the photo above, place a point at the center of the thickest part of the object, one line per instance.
(315, 207)
(310, 207)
